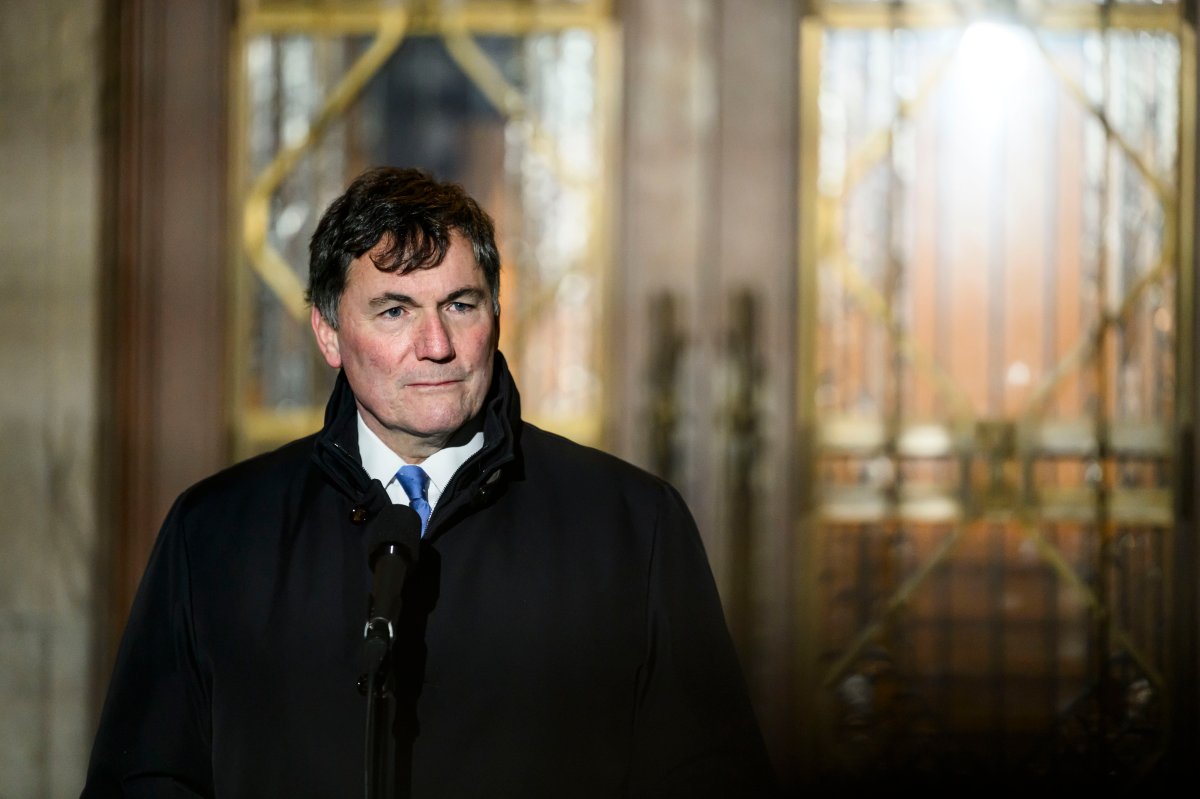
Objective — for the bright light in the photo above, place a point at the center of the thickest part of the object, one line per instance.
(995, 59)
(993, 52)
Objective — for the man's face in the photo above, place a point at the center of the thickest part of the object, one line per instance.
(416, 348)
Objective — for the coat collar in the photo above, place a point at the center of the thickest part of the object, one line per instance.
(337, 454)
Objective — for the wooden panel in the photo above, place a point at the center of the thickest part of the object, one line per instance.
(166, 193)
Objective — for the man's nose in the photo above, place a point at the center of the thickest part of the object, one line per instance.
(433, 339)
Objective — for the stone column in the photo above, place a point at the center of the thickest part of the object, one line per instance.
(50, 88)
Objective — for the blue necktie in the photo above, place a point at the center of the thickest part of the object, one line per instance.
(415, 483)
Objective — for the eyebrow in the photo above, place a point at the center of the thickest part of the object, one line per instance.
(465, 293)
(389, 297)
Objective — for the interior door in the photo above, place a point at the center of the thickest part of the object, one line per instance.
(996, 281)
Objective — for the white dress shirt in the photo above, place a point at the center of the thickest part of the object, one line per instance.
(382, 464)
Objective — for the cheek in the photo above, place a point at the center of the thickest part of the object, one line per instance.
(481, 347)
(369, 354)
(482, 340)
(484, 346)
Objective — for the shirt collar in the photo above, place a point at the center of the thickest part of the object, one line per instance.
(381, 463)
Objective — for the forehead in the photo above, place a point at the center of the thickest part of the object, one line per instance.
(457, 270)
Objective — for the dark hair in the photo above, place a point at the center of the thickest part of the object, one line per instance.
(415, 213)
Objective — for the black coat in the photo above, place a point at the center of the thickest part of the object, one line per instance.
(562, 635)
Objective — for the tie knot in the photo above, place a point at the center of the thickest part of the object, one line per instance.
(414, 481)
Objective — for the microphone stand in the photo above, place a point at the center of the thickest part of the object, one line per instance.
(380, 765)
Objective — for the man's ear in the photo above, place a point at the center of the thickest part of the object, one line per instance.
(327, 339)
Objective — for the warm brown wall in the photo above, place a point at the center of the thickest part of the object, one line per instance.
(166, 205)
(709, 160)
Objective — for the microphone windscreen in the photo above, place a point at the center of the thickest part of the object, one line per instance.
(397, 529)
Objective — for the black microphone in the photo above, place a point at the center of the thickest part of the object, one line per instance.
(393, 545)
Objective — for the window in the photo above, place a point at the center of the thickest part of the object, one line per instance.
(994, 271)
(513, 101)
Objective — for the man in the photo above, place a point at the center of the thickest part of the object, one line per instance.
(560, 636)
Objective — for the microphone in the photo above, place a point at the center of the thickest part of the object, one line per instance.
(393, 545)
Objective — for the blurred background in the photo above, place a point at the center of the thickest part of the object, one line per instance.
(901, 295)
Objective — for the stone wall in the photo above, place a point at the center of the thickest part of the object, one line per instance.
(50, 88)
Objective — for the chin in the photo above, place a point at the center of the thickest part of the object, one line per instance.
(440, 426)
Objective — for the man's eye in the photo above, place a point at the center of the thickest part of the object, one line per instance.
(393, 313)
(461, 307)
